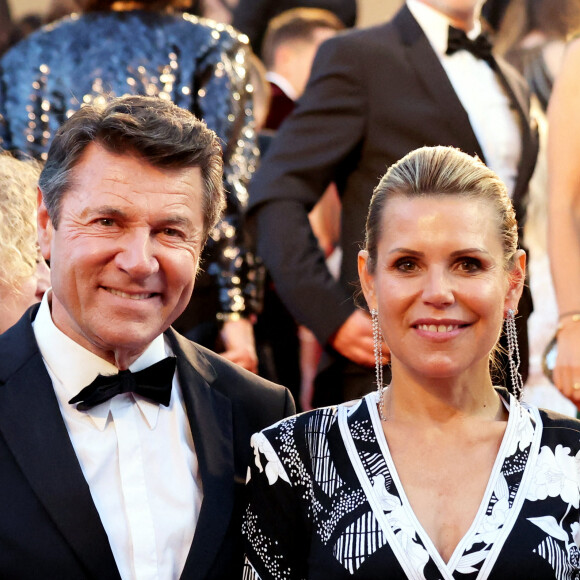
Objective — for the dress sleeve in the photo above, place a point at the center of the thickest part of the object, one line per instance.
(224, 101)
(275, 530)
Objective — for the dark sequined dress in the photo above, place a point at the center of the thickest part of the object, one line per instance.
(326, 503)
(197, 64)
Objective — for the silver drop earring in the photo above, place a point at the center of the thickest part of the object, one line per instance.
(378, 350)
(513, 353)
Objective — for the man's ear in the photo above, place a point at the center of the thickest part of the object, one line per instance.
(45, 228)
(367, 280)
(517, 277)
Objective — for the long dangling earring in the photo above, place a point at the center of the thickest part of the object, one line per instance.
(378, 350)
(513, 353)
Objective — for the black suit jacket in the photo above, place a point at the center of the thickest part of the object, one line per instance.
(373, 96)
(49, 526)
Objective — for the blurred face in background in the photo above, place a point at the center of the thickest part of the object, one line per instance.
(15, 301)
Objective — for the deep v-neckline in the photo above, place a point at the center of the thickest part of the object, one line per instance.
(479, 547)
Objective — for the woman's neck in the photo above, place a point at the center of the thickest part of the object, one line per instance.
(442, 401)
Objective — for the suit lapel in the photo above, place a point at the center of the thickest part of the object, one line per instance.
(33, 428)
(431, 74)
(210, 418)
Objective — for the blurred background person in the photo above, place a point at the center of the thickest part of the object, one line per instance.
(24, 275)
(253, 16)
(289, 354)
(290, 44)
(532, 36)
(152, 48)
(218, 10)
(5, 25)
(13, 31)
(564, 218)
(374, 95)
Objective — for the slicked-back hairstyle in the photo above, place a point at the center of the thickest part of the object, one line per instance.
(18, 238)
(155, 130)
(296, 24)
(441, 171)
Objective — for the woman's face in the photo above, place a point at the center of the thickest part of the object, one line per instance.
(440, 284)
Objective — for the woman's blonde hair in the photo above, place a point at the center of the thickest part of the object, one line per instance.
(18, 237)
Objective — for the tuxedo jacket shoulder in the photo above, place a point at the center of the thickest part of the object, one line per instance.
(49, 525)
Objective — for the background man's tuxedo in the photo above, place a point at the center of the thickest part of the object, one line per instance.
(49, 526)
(373, 96)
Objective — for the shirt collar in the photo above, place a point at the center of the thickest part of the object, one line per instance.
(283, 83)
(435, 25)
(80, 367)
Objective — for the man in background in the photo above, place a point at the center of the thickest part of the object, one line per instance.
(290, 44)
(289, 354)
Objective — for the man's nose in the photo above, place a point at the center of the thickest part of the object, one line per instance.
(137, 254)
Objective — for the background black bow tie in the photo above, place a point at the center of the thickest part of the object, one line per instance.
(153, 383)
(480, 47)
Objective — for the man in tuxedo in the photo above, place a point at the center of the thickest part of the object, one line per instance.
(288, 354)
(290, 44)
(373, 96)
(124, 446)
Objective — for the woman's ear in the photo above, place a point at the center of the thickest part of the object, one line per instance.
(367, 280)
(517, 277)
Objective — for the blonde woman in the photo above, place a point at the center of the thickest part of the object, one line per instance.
(24, 275)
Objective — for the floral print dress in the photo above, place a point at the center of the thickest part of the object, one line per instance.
(326, 503)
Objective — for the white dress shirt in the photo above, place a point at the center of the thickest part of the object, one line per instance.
(283, 83)
(494, 122)
(137, 456)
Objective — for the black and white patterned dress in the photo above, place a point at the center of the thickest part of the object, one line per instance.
(326, 503)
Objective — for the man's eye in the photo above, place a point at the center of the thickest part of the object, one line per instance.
(108, 222)
(172, 232)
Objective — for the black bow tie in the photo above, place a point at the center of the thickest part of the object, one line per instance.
(153, 383)
(480, 47)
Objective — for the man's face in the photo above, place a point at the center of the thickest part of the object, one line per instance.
(462, 13)
(125, 254)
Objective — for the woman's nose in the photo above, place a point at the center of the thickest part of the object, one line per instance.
(438, 288)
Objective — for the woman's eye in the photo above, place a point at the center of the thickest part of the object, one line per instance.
(470, 265)
(405, 265)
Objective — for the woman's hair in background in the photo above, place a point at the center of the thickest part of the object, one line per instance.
(18, 237)
(555, 19)
(441, 171)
